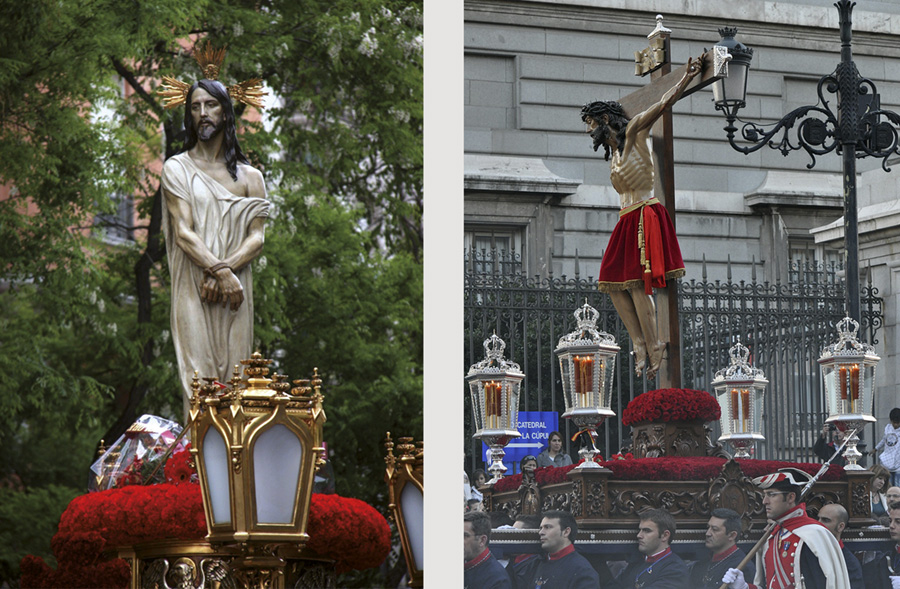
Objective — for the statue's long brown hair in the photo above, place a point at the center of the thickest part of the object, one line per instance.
(233, 153)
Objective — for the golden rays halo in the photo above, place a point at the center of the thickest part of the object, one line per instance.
(174, 92)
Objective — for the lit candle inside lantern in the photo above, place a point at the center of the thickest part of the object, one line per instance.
(740, 410)
(492, 402)
(735, 410)
(584, 378)
(854, 385)
(843, 380)
(745, 409)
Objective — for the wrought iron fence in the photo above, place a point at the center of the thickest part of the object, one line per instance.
(492, 261)
(784, 325)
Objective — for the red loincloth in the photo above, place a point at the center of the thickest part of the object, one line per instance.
(621, 266)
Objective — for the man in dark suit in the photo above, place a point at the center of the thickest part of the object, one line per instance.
(560, 567)
(721, 536)
(481, 571)
(658, 567)
(835, 517)
(884, 571)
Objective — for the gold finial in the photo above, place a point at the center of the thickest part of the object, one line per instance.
(256, 366)
(302, 387)
(407, 449)
(235, 377)
(389, 458)
(420, 456)
(210, 389)
(280, 383)
(210, 60)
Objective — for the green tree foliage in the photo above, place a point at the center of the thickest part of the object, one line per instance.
(84, 345)
(43, 504)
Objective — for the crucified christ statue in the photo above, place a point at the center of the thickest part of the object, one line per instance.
(643, 251)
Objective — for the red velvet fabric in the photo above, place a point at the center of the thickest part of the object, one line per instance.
(621, 266)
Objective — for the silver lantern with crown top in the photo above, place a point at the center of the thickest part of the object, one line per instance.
(740, 390)
(494, 386)
(587, 361)
(848, 373)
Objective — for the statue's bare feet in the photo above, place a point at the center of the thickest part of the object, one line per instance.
(656, 356)
(640, 357)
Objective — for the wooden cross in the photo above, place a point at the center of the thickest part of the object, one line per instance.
(662, 79)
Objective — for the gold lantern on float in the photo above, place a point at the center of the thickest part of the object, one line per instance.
(406, 488)
(740, 390)
(257, 445)
(494, 385)
(587, 362)
(848, 373)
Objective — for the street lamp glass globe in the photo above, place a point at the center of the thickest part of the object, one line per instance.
(730, 93)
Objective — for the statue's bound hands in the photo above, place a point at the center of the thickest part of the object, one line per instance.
(209, 291)
(232, 293)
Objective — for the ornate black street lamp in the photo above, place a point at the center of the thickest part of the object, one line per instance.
(856, 130)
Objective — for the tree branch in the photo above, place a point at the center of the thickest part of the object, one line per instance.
(139, 90)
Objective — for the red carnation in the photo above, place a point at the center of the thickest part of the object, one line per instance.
(671, 405)
(180, 467)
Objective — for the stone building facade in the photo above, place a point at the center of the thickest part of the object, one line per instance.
(533, 183)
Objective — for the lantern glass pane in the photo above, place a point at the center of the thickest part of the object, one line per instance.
(868, 390)
(829, 376)
(215, 463)
(723, 400)
(565, 369)
(412, 505)
(477, 404)
(736, 83)
(718, 89)
(607, 382)
(756, 419)
(277, 455)
(733, 88)
(512, 422)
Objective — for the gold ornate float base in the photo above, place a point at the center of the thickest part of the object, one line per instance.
(198, 565)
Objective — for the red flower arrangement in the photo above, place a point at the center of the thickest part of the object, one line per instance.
(132, 475)
(346, 530)
(180, 467)
(672, 405)
(674, 468)
(627, 456)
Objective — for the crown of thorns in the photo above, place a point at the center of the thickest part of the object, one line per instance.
(174, 92)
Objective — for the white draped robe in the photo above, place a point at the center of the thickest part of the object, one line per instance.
(208, 337)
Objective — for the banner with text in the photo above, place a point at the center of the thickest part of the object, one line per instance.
(535, 427)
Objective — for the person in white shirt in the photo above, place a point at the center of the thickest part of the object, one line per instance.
(890, 447)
